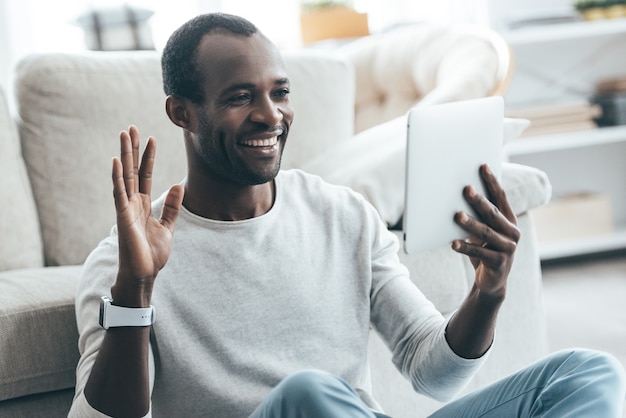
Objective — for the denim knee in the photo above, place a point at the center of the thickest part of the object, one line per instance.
(309, 386)
(312, 394)
(613, 369)
(600, 368)
(601, 364)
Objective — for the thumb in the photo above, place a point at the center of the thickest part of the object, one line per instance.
(171, 207)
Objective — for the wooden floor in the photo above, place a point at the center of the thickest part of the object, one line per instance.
(585, 301)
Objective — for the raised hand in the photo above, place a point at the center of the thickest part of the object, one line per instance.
(494, 237)
(144, 242)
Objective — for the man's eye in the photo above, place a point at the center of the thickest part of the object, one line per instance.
(282, 93)
(240, 98)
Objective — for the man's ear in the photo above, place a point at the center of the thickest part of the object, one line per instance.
(180, 111)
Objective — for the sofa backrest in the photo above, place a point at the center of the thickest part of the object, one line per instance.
(72, 108)
(20, 242)
(424, 63)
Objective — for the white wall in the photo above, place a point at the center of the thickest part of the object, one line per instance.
(5, 61)
(15, 36)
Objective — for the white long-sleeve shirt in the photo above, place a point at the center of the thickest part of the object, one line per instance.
(241, 305)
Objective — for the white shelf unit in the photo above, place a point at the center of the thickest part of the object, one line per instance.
(580, 162)
(566, 140)
(564, 31)
(559, 63)
(583, 246)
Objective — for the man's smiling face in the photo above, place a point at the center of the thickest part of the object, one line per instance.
(245, 118)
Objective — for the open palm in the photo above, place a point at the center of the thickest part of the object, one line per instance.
(144, 242)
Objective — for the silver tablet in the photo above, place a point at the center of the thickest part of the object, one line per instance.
(446, 144)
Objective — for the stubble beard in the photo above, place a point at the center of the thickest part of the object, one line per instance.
(232, 170)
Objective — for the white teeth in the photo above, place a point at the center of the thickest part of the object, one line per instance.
(261, 142)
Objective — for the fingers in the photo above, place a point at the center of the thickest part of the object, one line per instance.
(485, 234)
(134, 139)
(137, 178)
(171, 207)
(486, 245)
(496, 227)
(147, 165)
(479, 252)
(493, 227)
(119, 186)
(496, 193)
(126, 157)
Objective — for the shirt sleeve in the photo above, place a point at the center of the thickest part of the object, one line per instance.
(97, 277)
(411, 326)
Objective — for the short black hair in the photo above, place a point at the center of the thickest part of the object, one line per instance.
(178, 61)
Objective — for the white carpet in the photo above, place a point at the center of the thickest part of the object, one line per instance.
(585, 301)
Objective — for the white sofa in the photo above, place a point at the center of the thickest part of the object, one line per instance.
(55, 179)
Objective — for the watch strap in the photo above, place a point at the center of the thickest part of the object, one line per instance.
(120, 316)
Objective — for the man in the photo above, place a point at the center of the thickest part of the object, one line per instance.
(268, 289)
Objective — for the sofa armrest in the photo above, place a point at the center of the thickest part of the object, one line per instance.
(526, 187)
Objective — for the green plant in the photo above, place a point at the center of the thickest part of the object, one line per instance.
(310, 5)
(582, 5)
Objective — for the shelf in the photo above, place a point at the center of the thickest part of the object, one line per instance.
(572, 56)
(564, 31)
(565, 140)
(583, 246)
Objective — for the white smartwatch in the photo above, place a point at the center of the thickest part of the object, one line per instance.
(119, 316)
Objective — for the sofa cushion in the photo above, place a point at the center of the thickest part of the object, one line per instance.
(72, 108)
(39, 343)
(55, 404)
(19, 215)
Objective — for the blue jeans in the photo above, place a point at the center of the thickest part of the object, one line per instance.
(569, 383)
(312, 394)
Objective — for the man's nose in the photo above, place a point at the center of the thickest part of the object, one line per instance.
(267, 111)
